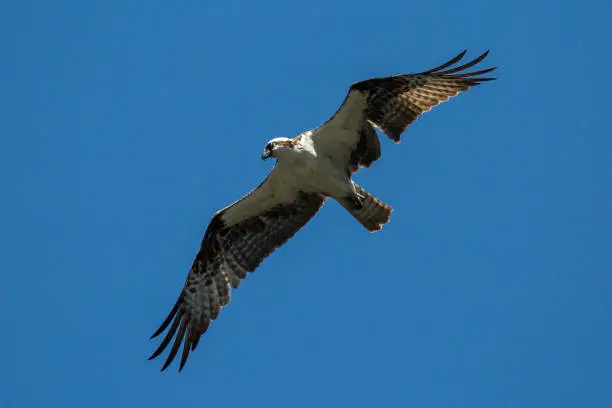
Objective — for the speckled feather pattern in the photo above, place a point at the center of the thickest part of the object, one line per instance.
(225, 257)
(391, 104)
(395, 102)
(374, 213)
(229, 251)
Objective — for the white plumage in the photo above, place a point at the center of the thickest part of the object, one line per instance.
(315, 165)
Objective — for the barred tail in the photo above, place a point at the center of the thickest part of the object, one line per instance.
(369, 211)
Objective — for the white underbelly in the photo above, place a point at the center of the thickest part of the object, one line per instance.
(321, 177)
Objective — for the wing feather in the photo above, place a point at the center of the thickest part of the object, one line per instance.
(394, 102)
(391, 104)
(242, 235)
(233, 245)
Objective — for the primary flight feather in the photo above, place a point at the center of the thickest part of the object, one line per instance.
(310, 168)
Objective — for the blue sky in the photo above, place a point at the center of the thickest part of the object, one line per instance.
(126, 125)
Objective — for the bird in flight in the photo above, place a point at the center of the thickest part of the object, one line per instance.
(311, 167)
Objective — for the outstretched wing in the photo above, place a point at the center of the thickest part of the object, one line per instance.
(236, 241)
(390, 104)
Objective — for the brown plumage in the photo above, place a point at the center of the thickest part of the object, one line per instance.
(372, 214)
(226, 255)
(242, 235)
(395, 102)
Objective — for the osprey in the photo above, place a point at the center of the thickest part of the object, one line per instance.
(315, 165)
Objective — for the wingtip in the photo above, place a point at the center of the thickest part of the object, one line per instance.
(459, 71)
(155, 354)
(447, 64)
(166, 364)
(159, 331)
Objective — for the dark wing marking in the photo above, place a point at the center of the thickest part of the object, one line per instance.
(367, 150)
(390, 104)
(395, 102)
(228, 252)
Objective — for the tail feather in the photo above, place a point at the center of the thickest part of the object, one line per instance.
(372, 214)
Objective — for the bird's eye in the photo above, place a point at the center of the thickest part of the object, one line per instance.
(269, 146)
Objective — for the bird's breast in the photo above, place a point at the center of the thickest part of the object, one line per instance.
(316, 174)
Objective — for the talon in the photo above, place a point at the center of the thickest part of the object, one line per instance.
(356, 201)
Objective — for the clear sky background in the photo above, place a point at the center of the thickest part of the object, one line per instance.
(126, 124)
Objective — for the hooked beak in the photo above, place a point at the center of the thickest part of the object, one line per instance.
(265, 155)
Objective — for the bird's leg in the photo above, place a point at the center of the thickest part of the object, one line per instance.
(354, 201)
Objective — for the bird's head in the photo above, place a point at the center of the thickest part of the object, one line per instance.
(277, 146)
